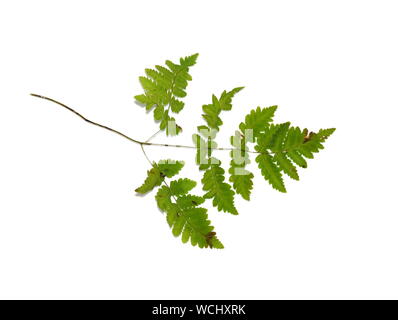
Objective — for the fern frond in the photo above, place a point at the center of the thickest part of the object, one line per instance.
(213, 179)
(170, 168)
(163, 198)
(211, 112)
(280, 149)
(176, 105)
(270, 171)
(152, 180)
(290, 146)
(313, 142)
(185, 217)
(242, 180)
(163, 89)
(274, 138)
(297, 158)
(181, 186)
(257, 120)
(279, 136)
(218, 190)
(189, 61)
(189, 201)
(226, 98)
(155, 176)
(323, 134)
(286, 165)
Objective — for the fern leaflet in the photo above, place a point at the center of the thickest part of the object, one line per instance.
(153, 180)
(211, 112)
(156, 175)
(218, 190)
(257, 121)
(214, 176)
(164, 87)
(185, 217)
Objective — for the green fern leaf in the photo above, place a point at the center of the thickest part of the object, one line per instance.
(295, 137)
(163, 198)
(194, 226)
(170, 168)
(185, 217)
(153, 180)
(297, 158)
(290, 145)
(189, 61)
(158, 113)
(213, 179)
(242, 181)
(313, 142)
(279, 136)
(212, 111)
(156, 175)
(142, 98)
(276, 138)
(176, 105)
(178, 92)
(280, 149)
(267, 138)
(258, 121)
(163, 86)
(181, 186)
(213, 241)
(299, 144)
(218, 190)
(148, 84)
(166, 73)
(270, 171)
(286, 165)
(189, 201)
(323, 134)
(226, 98)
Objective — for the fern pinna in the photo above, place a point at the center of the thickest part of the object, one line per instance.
(278, 150)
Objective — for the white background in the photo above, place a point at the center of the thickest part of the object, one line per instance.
(71, 225)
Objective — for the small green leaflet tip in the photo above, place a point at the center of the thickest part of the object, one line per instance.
(152, 180)
(155, 176)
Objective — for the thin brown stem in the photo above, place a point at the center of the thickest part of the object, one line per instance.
(146, 156)
(153, 136)
(146, 143)
(85, 119)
